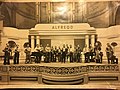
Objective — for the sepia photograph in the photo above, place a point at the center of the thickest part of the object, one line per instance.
(60, 44)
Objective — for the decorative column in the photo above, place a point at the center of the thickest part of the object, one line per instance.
(37, 12)
(73, 12)
(1, 31)
(48, 11)
(38, 40)
(87, 40)
(32, 42)
(51, 12)
(1, 26)
(84, 11)
(92, 40)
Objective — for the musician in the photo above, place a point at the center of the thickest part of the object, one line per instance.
(66, 51)
(71, 53)
(75, 54)
(59, 54)
(78, 52)
(7, 51)
(55, 54)
(86, 54)
(28, 54)
(97, 56)
(47, 50)
(63, 53)
(98, 53)
(41, 52)
(91, 53)
(41, 48)
(16, 55)
(109, 52)
(51, 54)
(38, 54)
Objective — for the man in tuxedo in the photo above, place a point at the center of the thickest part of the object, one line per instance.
(86, 54)
(47, 50)
(28, 54)
(16, 55)
(63, 53)
(37, 51)
(78, 50)
(71, 53)
(109, 52)
(7, 51)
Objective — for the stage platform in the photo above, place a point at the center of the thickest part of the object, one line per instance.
(61, 75)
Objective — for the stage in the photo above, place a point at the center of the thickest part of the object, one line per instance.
(60, 75)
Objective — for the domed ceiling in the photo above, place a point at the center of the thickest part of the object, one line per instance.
(25, 15)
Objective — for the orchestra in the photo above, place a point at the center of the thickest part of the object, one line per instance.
(66, 53)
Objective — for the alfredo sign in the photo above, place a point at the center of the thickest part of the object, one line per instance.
(76, 26)
(62, 27)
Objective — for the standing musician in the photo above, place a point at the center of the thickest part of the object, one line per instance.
(59, 54)
(38, 56)
(98, 53)
(86, 54)
(55, 54)
(7, 51)
(63, 53)
(47, 50)
(16, 55)
(66, 51)
(51, 54)
(75, 54)
(91, 53)
(28, 54)
(109, 52)
(78, 52)
(71, 53)
(41, 52)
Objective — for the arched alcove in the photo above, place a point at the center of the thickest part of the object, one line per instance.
(5, 13)
(117, 16)
(12, 44)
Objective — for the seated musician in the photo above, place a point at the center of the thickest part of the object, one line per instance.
(28, 54)
(37, 54)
